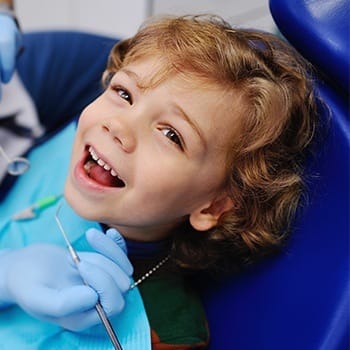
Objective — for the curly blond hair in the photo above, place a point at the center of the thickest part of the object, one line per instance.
(276, 126)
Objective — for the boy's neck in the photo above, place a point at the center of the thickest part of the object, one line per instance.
(144, 250)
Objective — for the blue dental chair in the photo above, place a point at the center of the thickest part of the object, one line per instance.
(299, 300)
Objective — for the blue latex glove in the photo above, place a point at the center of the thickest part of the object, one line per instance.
(43, 280)
(10, 41)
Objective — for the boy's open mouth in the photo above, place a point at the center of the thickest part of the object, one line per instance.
(100, 171)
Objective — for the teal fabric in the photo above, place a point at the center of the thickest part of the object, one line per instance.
(49, 164)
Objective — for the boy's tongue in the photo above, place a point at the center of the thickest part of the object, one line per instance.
(102, 176)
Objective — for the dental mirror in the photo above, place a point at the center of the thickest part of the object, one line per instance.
(15, 166)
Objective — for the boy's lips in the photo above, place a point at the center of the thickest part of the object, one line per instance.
(93, 169)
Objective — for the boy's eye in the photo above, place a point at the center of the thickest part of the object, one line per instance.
(124, 94)
(173, 136)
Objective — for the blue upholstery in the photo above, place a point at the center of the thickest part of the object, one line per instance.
(320, 31)
(300, 299)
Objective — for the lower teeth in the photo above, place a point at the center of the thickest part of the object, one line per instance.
(88, 165)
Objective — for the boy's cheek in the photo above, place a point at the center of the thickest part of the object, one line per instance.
(90, 111)
(85, 122)
(84, 116)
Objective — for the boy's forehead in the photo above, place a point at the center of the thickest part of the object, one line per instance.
(151, 71)
(146, 71)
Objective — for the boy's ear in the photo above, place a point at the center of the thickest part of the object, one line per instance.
(207, 217)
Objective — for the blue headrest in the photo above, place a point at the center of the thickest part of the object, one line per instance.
(320, 31)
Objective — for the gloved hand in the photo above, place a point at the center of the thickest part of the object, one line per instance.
(43, 280)
(10, 41)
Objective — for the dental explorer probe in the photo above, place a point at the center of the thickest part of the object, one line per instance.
(101, 313)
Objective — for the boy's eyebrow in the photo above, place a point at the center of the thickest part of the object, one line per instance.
(131, 74)
(194, 126)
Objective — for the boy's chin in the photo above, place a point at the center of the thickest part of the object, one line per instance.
(75, 202)
(82, 210)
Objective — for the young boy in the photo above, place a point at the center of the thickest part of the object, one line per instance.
(194, 153)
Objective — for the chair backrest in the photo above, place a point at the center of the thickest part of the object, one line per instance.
(300, 299)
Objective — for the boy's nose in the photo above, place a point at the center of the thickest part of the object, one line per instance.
(122, 134)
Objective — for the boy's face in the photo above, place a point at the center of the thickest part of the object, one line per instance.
(162, 153)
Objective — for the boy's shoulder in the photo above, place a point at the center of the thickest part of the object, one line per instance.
(175, 313)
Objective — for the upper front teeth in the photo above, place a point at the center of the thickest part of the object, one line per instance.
(101, 162)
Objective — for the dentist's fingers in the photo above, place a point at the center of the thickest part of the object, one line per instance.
(109, 292)
(105, 266)
(107, 245)
(55, 303)
(117, 238)
(7, 48)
